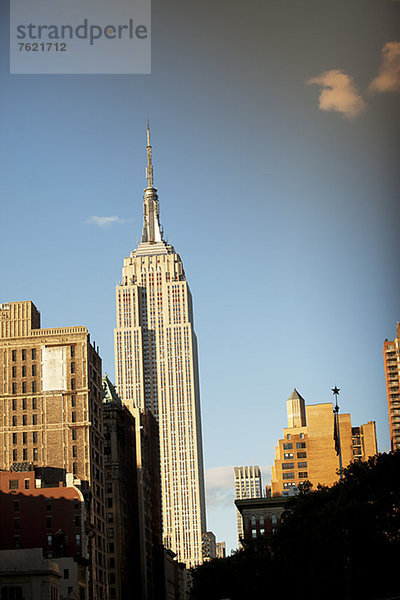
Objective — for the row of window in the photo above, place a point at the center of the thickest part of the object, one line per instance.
(301, 475)
(25, 420)
(23, 354)
(24, 387)
(23, 371)
(25, 403)
(289, 446)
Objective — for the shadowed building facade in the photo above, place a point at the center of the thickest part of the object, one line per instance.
(391, 358)
(157, 369)
(307, 450)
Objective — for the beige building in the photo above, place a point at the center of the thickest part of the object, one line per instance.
(247, 485)
(157, 369)
(307, 450)
(51, 413)
(391, 358)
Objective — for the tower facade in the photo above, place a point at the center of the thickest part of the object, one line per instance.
(247, 485)
(391, 357)
(307, 450)
(157, 369)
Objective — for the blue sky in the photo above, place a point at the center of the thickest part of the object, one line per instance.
(275, 131)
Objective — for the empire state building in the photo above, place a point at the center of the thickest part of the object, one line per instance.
(156, 365)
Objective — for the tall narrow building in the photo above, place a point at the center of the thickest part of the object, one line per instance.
(391, 357)
(156, 367)
(247, 485)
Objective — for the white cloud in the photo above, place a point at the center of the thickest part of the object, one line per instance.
(103, 221)
(339, 93)
(388, 79)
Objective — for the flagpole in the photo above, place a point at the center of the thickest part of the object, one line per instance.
(338, 445)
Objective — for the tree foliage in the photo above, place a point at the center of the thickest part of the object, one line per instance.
(340, 542)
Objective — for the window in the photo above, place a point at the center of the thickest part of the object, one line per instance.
(24, 387)
(74, 468)
(261, 520)
(110, 532)
(72, 351)
(14, 355)
(26, 484)
(24, 420)
(110, 517)
(288, 475)
(253, 520)
(24, 437)
(34, 437)
(33, 353)
(14, 404)
(288, 455)
(66, 573)
(74, 436)
(302, 436)
(49, 539)
(14, 421)
(302, 465)
(73, 417)
(34, 403)
(302, 455)
(35, 454)
(73, 401)
(25, 454)
(111, 547)
(23, 403)
(23, 370)
(48, 522)
(14, 371)
(23, 354)
(74, 451)
(33, 370)
(33, 387)
(72, 384)
(274, 519)
(288, 437)
(301, 445)
(72, 367)
(288, 465)
(14, 387)
(78, 539)
(111, 563)
(16, 505)
(16, 523)
(288, 446)
(254, 533)
(303, 475)
(77, 520)
(14, 437)
(15, 455)
(48, 506)
(109, 502)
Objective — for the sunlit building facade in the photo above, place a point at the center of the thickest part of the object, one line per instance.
(391, 357)
(247, 485)
(157, 369)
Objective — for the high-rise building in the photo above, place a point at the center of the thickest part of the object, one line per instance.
(157, 369)
(391, 357)
(51, 407)
(307, 450)
(221, 549)
(247, 485)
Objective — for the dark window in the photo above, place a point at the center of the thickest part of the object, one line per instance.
(24, 387)
(33, 387)
(66, 573)
(111, 563)
(303, 475)
(77, 520)
(13, 484)
(14, 404)
(33, 370)
(288, 475)
(33, 353)
(288, 446)
(16, 523)
(35, 454)
(23, 354)
(301, 445)
(73, 401)
(109, 502)
(48, 506)
(27, 484)
(48, 522)
(24, 419)
(72, 351)
(14, 388)
(34, 403)
(74, 451)
(24, 437)
(34, 437)
(23, 403)
(23, 370)
(74, 436)
(111, 546)
(16, 505)
(15, 455)
(14, 420)
(34, 419)
(14, 355)
(72, 367)
(288, 465)
(74, 468)
(14, 371)
(72, 384)
(302, 465)
(302, 455)
(14, 438)
(24, 454)
(73, 417)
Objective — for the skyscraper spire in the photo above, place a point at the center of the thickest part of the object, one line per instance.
(151, 219)
(149, 168)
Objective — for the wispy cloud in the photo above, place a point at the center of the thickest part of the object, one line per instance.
(388, 79)
(339, 93)
(103, 221)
